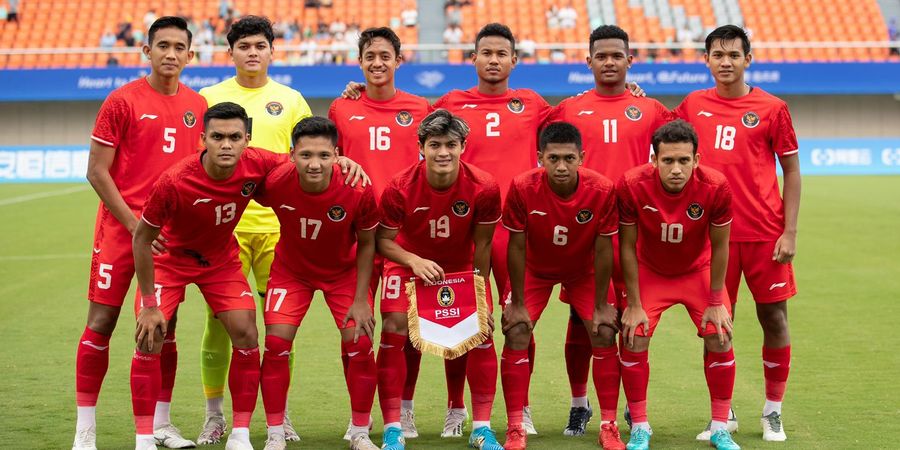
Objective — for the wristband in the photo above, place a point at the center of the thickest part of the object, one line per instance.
(149, 301)
(717, 297)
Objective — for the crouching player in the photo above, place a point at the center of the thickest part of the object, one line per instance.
(438, 216)
(561, 218)
(680, 213)
(328, 244)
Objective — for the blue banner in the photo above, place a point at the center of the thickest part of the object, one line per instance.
(41, 164)
(437, 79)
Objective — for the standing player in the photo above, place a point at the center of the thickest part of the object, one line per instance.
(561, 218)
(743, 129)
(675, 218)
(617, 128)
(274, 110)
(379, 131)
(321, 216)
(196, 203)
(504, 125)
(142, 128)
(438, 216)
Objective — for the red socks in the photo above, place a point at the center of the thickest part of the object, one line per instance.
(515, 376)
(243, 382)
(413, 360)
(145, 385)
(391, 364)
(455, 371)
(720, 370)
(276, 378)
(578, 357)
(91, 362)
(168, 361)
(635, 376)
(361, 378)
(606, 380)
(481, 371)
(776, 365)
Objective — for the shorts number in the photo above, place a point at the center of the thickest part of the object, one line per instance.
(672, 233)
(440, 228)
(225, 213)
(379, 138)
(392, 287)
(493, 122)
(157, 291)
(169, 137)
(559, 235)
(314, 223)
(725, 137)
(610, 131)
(103, 272)
(280, 293)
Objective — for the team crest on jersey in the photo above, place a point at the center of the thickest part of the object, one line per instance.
(189, 119)
(633, 113)
(274, 108)
(584, 216)
(404, 118)
(515, 105)
(695, 211)
(460, 208)
(248, 188)
(750, 119)
(337, 213)
(446, 296)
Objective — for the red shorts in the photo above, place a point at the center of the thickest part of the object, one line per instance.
(288, 298)
(616, 291)
(393, 287)
(579, 293)
(659, 292)
(223, 285)
(112, 261)
(769, 281)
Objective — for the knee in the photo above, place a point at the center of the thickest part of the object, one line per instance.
(714, 345)
(604, 338)
(518, 337)
(391, 324)
(103, 319)
(774, 321)
(245, 336)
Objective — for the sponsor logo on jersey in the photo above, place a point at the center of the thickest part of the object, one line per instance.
(540, 213)
(201, 200)
(515, 105)
(189, 119)
(633, 113)
(468, 106)
(695, 211)
(337, 213)
(248, 188)
(274, 108)
(777, 285)
(584, 216)
(585, 112)
(648, 207)
(704, 113)
(446, 296)
(404, 118)
(148, 116)
(750, 119)
(421, 208)
(352, 118)
(460, 208)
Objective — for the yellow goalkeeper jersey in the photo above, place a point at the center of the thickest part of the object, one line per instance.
(274, 110)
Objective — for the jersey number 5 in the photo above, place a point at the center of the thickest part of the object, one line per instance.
(169, 137)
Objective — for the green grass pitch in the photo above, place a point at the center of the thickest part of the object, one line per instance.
(842, 391)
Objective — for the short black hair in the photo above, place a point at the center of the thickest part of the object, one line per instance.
(607, 32)
(727, 33)
(168, 22)
(225, 111)
(369, 34)
(315, 127)
(250, 26)
(443, 123)
(674, 132)
(559, 133)
(499, 30)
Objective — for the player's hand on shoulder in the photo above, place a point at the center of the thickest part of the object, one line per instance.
(353, 172)
(353, 90)
(150, 321)
(635, 89)
(605, 316)
(785, 248)
(720, 318)
(632, 318)
(426, 269)
(361, 314)
(513, 315)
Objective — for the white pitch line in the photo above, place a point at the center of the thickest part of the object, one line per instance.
(5, 258)
(40, 195)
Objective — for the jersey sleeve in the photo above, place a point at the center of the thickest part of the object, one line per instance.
(663, 115)
(625, 204)
(112, 121)
(392, 208)
(514, 214)
(608, 224)
(555, 114)
(301, 111)
(544, 108)
(367, 216)
(721, 213)
(782, 137)
(441, 102)
(161, 203)
(487, 204)
(332, 116)
(680, 111)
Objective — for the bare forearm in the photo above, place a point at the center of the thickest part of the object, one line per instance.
(109, 194)
(143, 265)
(365, 254)
(482, 259)
(603, 266)
(394, 252)
(791, 200)
(515, 260)
(718, 266)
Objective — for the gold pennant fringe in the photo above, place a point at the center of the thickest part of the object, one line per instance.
(423, 345)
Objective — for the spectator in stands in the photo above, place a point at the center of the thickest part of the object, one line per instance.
(112, 61)
(125, 32)
(12, 11)
(336, 27)
(526, 48)
(568, 16)
(224, 7)
(453, 35)
(149, 18)
(108, 39)
(453, 14)
(552, 17)
(893, 36)
(409, 16)
(652, 52)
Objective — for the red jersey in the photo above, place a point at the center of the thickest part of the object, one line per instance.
(440, 225)
(616, 131)
(503, 136)
(198, 214)
(150, 132)
(673, 229)
(318, 230)
(560, 232)
(380, 135)
(741, 137)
